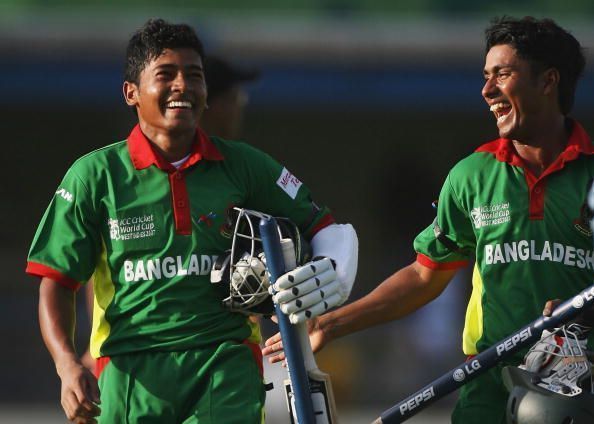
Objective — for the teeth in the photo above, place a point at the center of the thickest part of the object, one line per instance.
(181, 104)
(497, 106)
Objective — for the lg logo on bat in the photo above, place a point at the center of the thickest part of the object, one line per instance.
(472, 366)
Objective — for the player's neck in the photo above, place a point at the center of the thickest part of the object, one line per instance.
(173, 146)
(544, 145)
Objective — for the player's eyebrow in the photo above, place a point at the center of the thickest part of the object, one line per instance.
(497, 68)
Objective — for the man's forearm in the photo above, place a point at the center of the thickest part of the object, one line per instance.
(397, 296)
(57, 321)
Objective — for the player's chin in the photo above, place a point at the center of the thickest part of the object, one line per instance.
(181, 123)
(505, 131)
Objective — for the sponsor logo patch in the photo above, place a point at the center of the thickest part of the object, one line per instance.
(130, 228)
(289, 183)
(489, 215)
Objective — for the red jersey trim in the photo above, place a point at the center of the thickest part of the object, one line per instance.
(579, 143)
(100, 365)
(258, 357)
(504, 151)
(40, 270)
(426, 261)
(324, 222)
(180, 203)
(143, 155)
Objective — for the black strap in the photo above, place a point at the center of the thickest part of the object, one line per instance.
(448, 243)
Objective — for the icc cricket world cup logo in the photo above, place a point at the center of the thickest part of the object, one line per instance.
(114, 229)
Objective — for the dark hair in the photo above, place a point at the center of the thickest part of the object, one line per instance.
(151, 39)
(545, 45)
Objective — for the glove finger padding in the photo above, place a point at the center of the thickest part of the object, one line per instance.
(310, 299)
(308, 290)
(317, 309)
(302, 273)
(302, 288)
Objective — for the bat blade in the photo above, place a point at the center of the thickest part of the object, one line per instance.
(322, 397)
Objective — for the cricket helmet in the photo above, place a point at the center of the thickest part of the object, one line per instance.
(243, 267)
(559, 390)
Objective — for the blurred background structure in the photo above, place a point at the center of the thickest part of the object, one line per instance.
(368, 102)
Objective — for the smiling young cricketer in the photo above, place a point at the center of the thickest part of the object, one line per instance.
(146, 218)
(517, 205)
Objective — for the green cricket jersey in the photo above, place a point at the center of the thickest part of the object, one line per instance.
(149, 234)
(530, 236)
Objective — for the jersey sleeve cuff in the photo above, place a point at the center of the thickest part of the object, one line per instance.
(326, 220)
(39, 270)
(430, 263)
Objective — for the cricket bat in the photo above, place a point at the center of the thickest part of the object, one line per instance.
(487, 359)
(320, 385)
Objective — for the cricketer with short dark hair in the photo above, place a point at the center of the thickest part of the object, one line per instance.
(544, 45)
(146, 218)
(515, 207)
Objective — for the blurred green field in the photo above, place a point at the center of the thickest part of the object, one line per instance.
(421, 8)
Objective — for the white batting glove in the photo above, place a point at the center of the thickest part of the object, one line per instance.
(308, 290)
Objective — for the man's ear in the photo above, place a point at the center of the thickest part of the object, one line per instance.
(130, 90)
(550, 78)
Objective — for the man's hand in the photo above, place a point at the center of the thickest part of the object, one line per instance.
(550, 306)
(308, 290)
(273, 347)
(80, 393)
(585, 318)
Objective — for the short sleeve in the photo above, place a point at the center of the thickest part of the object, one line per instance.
(66, 243)
(452, 222)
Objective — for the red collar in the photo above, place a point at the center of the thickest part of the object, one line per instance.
(579, 143)
(143, 155)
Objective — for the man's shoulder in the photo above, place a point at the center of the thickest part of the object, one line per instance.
(101, 156)
(92, 165)
(231, 145)
(233, 150)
